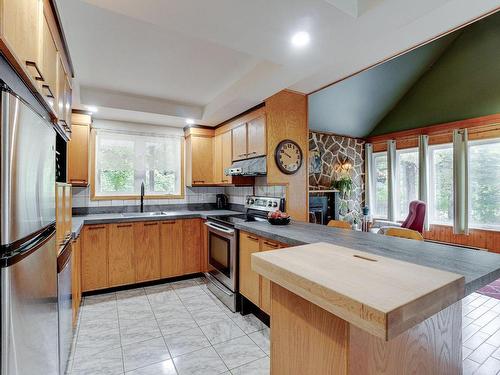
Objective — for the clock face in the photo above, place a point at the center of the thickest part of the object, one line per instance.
(288, 156)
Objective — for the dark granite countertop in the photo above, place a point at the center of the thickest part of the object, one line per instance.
(478, 267)
(79, 221)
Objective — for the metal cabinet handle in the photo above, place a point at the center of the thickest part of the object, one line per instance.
(271, 244)
(148, 224)
(168, 222)
(252, 238)
(198, 181)
(32, 64)
(50, 93)
(97, 227)
(124, 225)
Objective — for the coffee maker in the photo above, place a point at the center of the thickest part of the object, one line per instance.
(221, 201)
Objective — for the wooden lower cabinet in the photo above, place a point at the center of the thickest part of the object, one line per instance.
(249, 280)
(76, 287)
(127, 253)
(121, 256)
(94, 257)
(171, 247)
(192, 244)
(147, 250)
(254, 287)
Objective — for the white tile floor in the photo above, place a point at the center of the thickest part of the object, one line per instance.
(181, 328)
(175, 328)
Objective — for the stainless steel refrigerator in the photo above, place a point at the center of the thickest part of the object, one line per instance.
(29, 318)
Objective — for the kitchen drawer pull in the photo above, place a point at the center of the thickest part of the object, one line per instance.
(49, 91)
(271, 244)
(97, 227)
(147, 224)
(32, 64)
(242, 155)
(198, 181)
(168, 222)
(252, 238)
(124, 225)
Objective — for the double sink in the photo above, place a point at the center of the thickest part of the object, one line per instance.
(156, 213)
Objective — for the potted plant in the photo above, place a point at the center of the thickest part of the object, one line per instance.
(344, 186)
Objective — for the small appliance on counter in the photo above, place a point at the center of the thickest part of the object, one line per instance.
(222, 201)
(223, 246)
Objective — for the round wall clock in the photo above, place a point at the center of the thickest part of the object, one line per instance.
(288, 156)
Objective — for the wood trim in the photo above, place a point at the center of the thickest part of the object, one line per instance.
(478, 238)
(81, 112)
(409, 49)
(483, 124)
(64, 43)
(248, 111)
(94, 197)
(199, 132)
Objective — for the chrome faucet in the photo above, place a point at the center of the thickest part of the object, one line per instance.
(142, 196)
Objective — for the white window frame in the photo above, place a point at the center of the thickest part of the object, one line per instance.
(398, 192)
(432, 190)
(139, 168)
(471, 224)
(374, 184)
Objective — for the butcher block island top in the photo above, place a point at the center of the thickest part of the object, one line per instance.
(383, 296)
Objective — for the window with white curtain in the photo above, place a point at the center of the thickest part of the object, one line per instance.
(484, 184)
(380, 183)
(124, 160)
(441, 184)
(407, 180)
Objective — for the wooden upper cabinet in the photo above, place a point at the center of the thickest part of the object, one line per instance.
(249, 280)
(239, 140)
(21, 30)
(256, 137)
(121, 259)
(94, 257)
(171, 248)
(78, 154)
(50, 61)
(147, 250)
(218, 173)
(249, 139)
(192, 245)
(199, 159)
(227, 158)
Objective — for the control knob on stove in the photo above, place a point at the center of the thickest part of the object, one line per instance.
(275, 204)
(250, 201)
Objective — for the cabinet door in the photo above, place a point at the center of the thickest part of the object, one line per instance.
(121, 261)
(249, 280)
(204, 248)
(192, 245)
(171, 248)
(68, 102)
(265, 284)
(60, 212)
(239, 138)
(94, 257)
(49, 66)
(78, 156)
(227, 155)
(218, 172)
(147, 250)
(22, 31)
(202, 160)
(256, 130)
(68, 206)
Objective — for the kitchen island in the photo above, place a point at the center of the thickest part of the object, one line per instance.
(362, 303)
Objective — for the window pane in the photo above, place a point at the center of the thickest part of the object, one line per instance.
(124, 161)
(484, 183)
(407, 183)
(381, 192)
(441, 203)
(115, 166)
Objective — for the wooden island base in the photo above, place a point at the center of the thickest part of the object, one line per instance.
(308, 340)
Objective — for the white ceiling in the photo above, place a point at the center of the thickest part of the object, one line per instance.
(161, 61)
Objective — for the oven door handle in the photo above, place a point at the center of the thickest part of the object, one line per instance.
(219, 228)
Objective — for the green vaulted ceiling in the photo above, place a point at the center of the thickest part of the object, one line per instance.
(452, 78)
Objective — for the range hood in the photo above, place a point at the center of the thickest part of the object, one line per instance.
(248, 167)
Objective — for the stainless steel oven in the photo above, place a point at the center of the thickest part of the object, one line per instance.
(222, 262)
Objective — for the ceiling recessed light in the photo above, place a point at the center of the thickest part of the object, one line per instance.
(189, 121)
(301, 39)
(92, 108)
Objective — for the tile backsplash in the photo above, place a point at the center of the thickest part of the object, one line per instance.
(81, 196)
